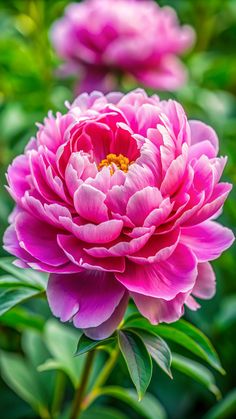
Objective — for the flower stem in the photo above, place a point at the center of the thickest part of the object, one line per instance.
(101, 379)
(76, 407)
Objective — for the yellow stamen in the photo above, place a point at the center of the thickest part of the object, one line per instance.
(120, 161)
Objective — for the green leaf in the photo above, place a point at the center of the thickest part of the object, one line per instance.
(22, 379)
(86, 344)
(158, 349)
(185, 335)
(28, 276)
(37, 353)
(137, 359)
(13, 296)
(51, 365)
(61, 342)
(21, 318)
(149, 407)
(196, 371)
(226, 408)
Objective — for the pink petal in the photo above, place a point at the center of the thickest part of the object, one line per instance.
(109, 326)
(73, 248)
(201, 132)
(91, 233)
(89, 203)
(17, 176)
(157, 310)
(207, 240)
(124, 247)
(88, 297)
(163, 279)
(174, 174)
(213, 205)
(205, 286)
(170, 74)
(204, 147)
(142, 203)
(39, 240)
(159, 247)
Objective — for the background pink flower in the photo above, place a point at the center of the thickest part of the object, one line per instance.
(105, 39)
(116, 199)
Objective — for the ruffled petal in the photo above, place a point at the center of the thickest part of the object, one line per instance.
(109, 326)
(201, 132)
(88, 297)
(207, 240)
(157, 310)
(163, 279)
(205, 286)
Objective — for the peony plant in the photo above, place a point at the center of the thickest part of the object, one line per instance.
(125, 38)
(116, 199)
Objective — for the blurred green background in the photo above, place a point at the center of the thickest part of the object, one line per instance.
(29, 87)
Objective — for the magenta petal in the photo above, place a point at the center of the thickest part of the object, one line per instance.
(88, 297)
(157, 310)
(207, 240)
(201, 132)
(73, 248)
(158, 248)
(142, 203)
(89, 203)
(39, 240)
(163, 279)
(91, 233)
(169, 74)
(205, 286)
(109, 326)
(17, 175)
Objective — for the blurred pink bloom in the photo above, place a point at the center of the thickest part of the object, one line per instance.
(116, 199)
(103, 39)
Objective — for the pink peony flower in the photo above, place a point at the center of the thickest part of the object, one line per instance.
(116, 199)
(103, 39)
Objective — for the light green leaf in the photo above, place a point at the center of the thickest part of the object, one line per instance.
(21, 318)
(86, 344)
(137, 359)
(51, 365)
(13, 296)
(22, 379)
(37, 353)
(149, 407)
(61, 342)
(158, 349)
(28, 276)
(196, 371)
(225, 409)
(184, 334)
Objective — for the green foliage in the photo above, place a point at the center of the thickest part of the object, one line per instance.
(148, 407)
(137, 359)
(184, 334)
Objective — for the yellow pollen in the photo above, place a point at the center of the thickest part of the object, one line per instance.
(120, 161)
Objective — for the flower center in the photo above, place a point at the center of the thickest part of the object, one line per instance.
(120, 161)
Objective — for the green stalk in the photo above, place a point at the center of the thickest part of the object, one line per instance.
(102, 378)
(80, 392)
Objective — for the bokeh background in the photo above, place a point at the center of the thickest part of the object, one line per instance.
(29, 87)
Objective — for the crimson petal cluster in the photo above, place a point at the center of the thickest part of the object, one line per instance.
(103, 39)
(116, 199)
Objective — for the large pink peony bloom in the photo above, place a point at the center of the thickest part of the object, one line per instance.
(101, 38)
(116, 199)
